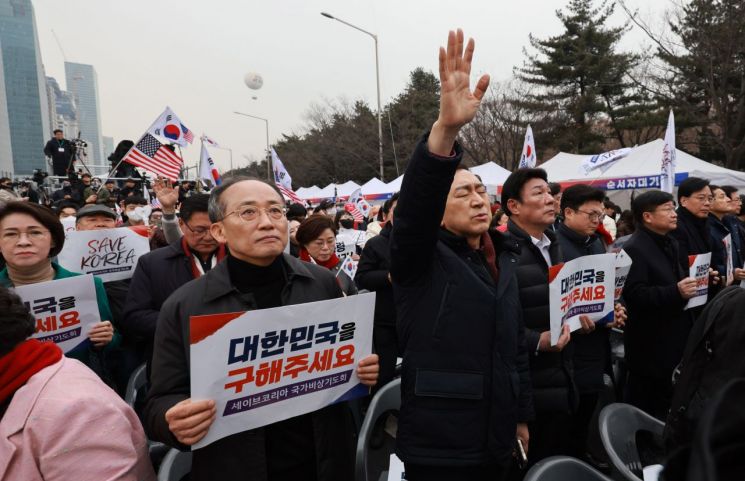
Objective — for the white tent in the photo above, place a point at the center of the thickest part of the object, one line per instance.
(395, 184)
(375, 186)
(639, 169)
(346, 189)
(327, 192)
(491, 174)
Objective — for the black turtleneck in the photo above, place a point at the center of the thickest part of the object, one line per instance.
(290, 447)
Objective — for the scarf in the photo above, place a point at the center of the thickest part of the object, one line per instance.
(329, 264)
(604, 234)
(490, 254)
(196, 267)
(25, 360)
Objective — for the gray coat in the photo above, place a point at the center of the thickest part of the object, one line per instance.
(235, 456)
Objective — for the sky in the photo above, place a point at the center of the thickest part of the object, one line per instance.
(192, 56)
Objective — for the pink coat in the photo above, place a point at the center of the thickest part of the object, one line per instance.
(65, 424)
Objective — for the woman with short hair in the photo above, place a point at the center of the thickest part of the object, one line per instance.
(316, 237)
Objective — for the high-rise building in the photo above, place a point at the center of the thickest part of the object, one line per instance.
(25, 104)
(108, 148)
(62, 108)
(82, 83)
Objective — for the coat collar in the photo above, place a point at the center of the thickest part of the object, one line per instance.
(579, 239)
(218, 282)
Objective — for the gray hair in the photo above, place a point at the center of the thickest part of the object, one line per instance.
(216, 208)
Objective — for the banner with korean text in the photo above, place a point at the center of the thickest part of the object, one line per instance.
(264, 366)
(110, 254)
(699, 270)
(64, 310)
(581, 287)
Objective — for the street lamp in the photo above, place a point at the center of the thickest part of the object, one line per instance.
(377, 79)
(268, 152)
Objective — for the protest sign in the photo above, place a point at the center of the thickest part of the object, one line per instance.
(581, 287)
(699, 270)
(110, 254)
(730, 274)
(268, 365)
(616, 247)
(396, 469)
(623, 266)
(68, 223)
(64, 310)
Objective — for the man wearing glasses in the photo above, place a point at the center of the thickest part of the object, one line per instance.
(162, 271)
(656, 292)
(582, 211)
(248, 216)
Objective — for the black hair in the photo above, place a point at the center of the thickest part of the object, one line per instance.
(312, 228)
(742, 205)
(57, 130)
(387, 205)
(296, 212)
(690, 186)
(44, 216)
(576, 195)
(513, 186)
(729, 190)
(193, 204)
(134, 199)
(66, 204)
(216, 209)
(648, 202)
(16, 323)
(554, 188)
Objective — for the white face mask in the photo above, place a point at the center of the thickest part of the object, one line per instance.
(139, 213)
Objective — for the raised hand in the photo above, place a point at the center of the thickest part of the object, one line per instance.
(166, 195)
(458, 104)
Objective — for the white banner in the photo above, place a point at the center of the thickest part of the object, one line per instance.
(623, 266)
(593, 162)
(729, 265)
(669, 157)
(699, 270)
(64, 309)
(110, 254)
(264, 366)
(581, 287)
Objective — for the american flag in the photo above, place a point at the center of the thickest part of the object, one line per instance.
(356, 213)
(187, 134)
(151, 155)
(289, 194)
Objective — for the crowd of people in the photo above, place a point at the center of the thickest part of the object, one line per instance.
(462, 313)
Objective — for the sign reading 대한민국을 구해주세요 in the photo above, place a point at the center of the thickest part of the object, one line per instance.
(583, 286)
(64, 310)
(699, 269)
(268, 365)
(110, 254)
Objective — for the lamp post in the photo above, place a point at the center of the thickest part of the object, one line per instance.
(377, 79)
(268, 152)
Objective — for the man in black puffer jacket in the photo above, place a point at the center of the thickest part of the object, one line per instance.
(582, 211)
(465, 389)
(531, 208)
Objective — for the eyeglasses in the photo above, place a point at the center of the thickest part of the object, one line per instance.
(593, 216)
(199, 231)
(250, 213)
(703, 198)
(34, 235)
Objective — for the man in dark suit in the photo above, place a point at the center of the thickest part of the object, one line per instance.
(656, 292)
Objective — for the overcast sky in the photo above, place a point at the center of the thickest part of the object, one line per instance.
(193, 55)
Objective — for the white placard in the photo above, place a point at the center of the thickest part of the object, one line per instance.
(581, 287)
(623, 266)
(699, 270)
(110, 254)
(64, 309)
(730, 274)
(264, 366)
(396, 469)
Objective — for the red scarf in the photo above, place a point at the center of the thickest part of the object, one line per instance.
(329, 264)
(195, 272)
(490, 254)
(25, 360)
(604, 234)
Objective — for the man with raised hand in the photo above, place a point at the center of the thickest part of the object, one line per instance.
(465, 389)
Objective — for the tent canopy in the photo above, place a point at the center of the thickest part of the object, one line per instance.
(395, 184)
(643, 162)
(491, 174)
(346, 189)
(375, 186)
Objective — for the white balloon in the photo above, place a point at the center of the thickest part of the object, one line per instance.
(253, 80)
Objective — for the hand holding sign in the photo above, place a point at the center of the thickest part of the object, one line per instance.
(619, 316)
(587, 324)
(544, 344)
(687, 288)
(368, 369)
(190, 420)
(101, 333)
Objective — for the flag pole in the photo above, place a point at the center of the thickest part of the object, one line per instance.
(199, 165)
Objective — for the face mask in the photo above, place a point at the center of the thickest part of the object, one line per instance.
(347, 223)
(139, 213)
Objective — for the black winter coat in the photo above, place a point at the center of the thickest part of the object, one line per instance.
(242, 455)
(60, 160)
(372, 274)
(465, 381)
(592, 350)
(158, 274)
(550, 372)
(657, 327)
(718, 230)
(692, 235)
